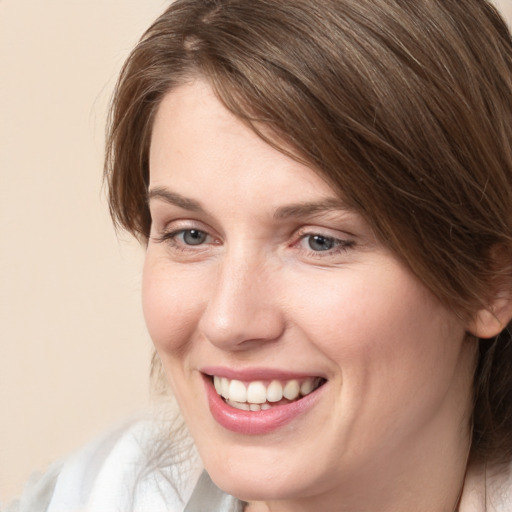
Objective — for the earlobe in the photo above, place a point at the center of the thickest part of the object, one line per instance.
(490, 321)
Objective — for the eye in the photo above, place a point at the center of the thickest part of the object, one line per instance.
(191, 236)
(183, 239)
(320, 243)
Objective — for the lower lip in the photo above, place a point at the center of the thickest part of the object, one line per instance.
(257, 422)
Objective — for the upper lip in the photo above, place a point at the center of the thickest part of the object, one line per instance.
(253, 374)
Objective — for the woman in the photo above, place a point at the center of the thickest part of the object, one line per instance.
(324, 189)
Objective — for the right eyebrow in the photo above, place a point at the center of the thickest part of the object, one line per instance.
(174, 199)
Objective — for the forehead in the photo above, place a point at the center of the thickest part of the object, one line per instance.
(198, 145)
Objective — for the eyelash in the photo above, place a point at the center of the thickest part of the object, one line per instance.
(338, 246)
(171, 238)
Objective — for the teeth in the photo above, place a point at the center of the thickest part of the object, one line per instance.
(257, 393)
(306, 387)
(255, 396)
(243, 406)
(275, 391)
(224, 387)
(237, 391)
(291, 390)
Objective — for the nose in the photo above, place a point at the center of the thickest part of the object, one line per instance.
(243, 309)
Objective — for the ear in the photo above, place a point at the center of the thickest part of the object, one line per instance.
(491, 320)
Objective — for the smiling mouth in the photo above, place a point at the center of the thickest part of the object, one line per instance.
(264, 395)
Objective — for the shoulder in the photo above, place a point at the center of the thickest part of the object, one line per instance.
(143, 465)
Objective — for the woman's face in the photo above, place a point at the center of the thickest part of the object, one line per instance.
(258, 278)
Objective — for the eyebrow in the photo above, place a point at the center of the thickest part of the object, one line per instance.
(310, 208)
(174, 199)
(303, 209)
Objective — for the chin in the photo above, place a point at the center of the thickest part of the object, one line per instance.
(253, 486)
(261, 474)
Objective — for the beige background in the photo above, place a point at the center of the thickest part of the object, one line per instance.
(73, 352)
(73, 348)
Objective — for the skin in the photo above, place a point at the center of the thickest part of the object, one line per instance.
(390, 429)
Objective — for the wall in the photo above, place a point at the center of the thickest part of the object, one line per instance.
(74, 353)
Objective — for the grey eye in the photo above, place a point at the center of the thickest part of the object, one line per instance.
(320, 243)
(193, 237)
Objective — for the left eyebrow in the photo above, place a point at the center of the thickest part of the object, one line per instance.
(310, 208)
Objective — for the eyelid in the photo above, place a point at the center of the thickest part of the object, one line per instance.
(325, 232)
(167, 224)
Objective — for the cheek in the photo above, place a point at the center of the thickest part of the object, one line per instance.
(171, 304)
(382, 331)
(394, 348)
(341, 312)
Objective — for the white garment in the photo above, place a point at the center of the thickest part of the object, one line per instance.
(487, 490)
(119, 472)
(126, 472)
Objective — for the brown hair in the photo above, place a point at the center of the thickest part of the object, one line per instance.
(404, 106)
